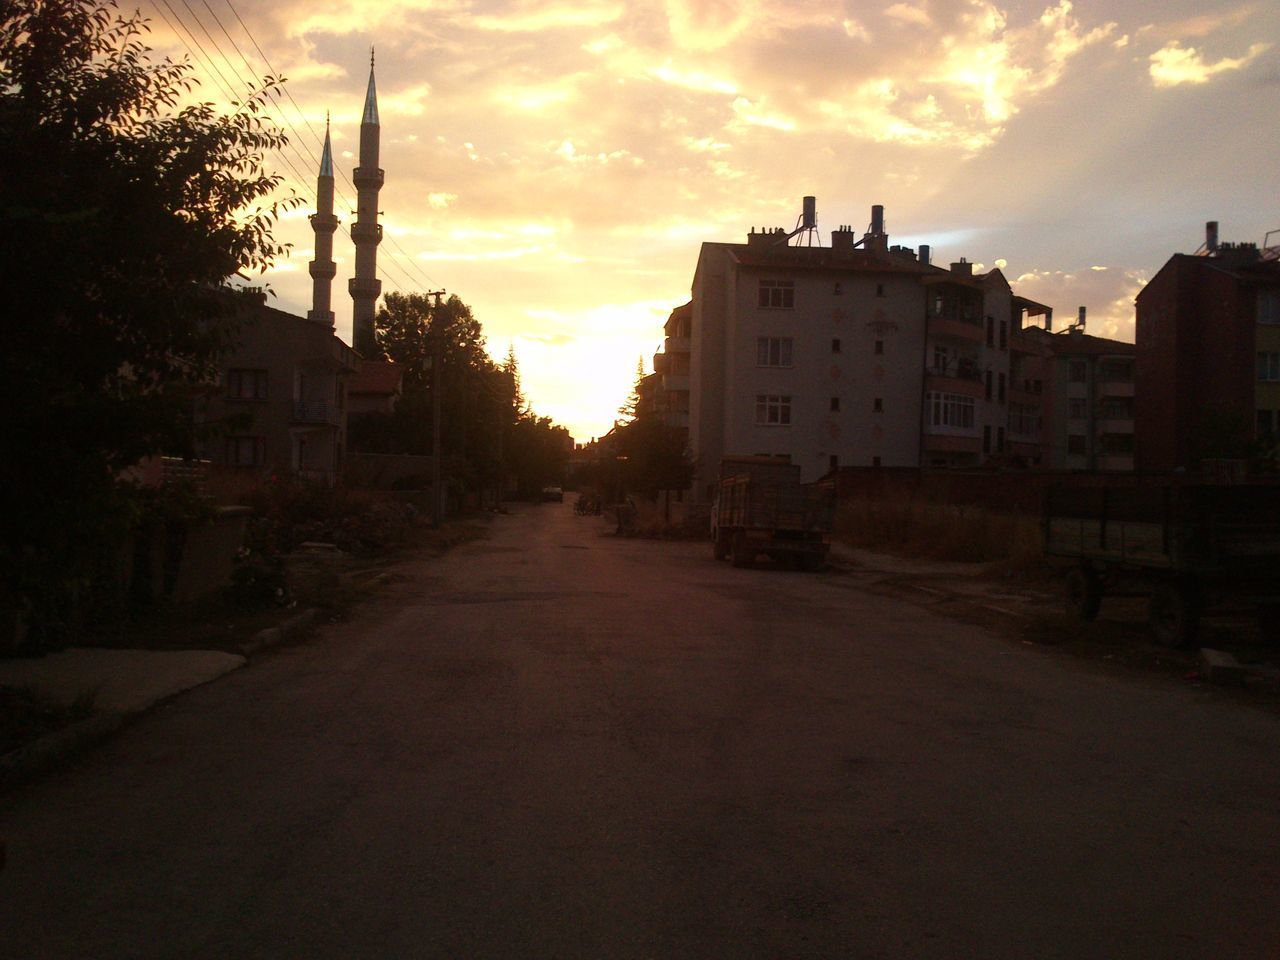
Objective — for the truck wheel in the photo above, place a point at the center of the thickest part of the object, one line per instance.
(1175, 614)
(721, 545)
(1083, 593)
(812, 562)
(743, 555)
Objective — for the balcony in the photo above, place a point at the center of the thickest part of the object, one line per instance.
(346, 358)
(1115, 388)
(956, 325)
(317, 412)
(1111, 424)
(963, 379)
(951, 443)
(1029, 398)
(677, 345)
(675, 382)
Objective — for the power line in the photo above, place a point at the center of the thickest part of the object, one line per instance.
(394, 271)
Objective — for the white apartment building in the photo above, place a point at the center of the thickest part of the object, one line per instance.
(857, 354)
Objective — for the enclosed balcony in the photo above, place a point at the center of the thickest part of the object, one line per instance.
(316, 412)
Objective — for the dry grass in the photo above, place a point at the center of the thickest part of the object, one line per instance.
(940, 531)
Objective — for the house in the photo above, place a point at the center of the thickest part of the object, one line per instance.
(281, 398)
(374, 388)
(855, 354)
(1208, 356)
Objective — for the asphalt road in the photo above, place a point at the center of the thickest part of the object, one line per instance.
(555, 743)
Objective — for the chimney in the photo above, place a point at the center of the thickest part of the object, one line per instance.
(877, 219)
(925, 251)
(842, 240)
(1080, 319)
(963, 268)
(1211, 237)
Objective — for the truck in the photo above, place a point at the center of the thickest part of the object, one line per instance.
(762, 507)
(1188, 545)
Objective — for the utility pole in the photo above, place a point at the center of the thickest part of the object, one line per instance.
(437, 390)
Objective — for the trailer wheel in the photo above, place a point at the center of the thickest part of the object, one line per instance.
(1083, 593)
(721, 545)
(1175, 614)
(743, 555)
(812, 562)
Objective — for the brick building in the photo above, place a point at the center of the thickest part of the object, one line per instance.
(1208, 356)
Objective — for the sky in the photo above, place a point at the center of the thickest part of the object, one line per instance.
(557, 164)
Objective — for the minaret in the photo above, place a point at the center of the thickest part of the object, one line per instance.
(323, 222)
(366, 233)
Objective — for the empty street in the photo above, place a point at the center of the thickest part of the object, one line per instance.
(558, 743)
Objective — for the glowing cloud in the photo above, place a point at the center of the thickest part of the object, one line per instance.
(1173, 65)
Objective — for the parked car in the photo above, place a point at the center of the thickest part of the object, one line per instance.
(553, 494)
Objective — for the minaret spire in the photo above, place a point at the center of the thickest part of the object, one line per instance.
(324, 223)
(366, 233)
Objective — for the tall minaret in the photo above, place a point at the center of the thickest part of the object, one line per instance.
(323, 222)
(365, 286)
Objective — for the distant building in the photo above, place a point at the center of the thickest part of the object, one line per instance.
(1087, 388)
(672, 365)
(1208, 356)
(375, 388)
(856, 354)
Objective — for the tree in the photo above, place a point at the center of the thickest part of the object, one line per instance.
(122, 214)
(631, 408)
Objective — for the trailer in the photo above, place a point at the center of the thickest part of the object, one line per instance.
(762, 507)
(1189, 546)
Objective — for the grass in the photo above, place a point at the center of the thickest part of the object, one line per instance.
(940, 531)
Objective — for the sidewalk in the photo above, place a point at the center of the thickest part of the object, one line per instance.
(117, 683)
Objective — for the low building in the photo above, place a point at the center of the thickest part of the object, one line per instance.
(375, 388)
(280, 403)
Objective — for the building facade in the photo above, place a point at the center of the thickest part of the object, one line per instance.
(1208, 357)
(281, 403)
(856, 354)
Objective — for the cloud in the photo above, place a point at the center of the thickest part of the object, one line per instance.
(1107, 293)
(1173, 65)
(906, 13)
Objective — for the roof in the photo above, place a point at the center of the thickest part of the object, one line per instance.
(326, 157)
(826, 259)
(1071, 342)
(376, 378)
(370, 98)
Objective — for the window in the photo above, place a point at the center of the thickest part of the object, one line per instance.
(1269, 366)
(1117, 408)
(941, 358)
(1077, 372)
(835, 404)
(950, 410)
(247, 384)
(246, 451)
(1116, 443)
(835, 345)
(773, 351)
(875, 461)
(1266, 422)
(1004, 335)
(1000, 390)
(778, 294)
(833, 462)
(1269, 306)
(988, 390)
(877, 405)
(1075, 443)
(1024, 420)
(1117, 370)
(879, 346)
(836, 289)
(999, 439)
(1076, 409)
(879, 289)
(991, 331)
(986, 439)
(773, 410)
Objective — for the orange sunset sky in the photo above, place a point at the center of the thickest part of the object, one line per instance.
(557, 164)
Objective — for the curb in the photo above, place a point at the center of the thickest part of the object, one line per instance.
(274, 636)
(40, 755)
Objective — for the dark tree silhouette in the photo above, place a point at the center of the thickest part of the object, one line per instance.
(121, 216)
